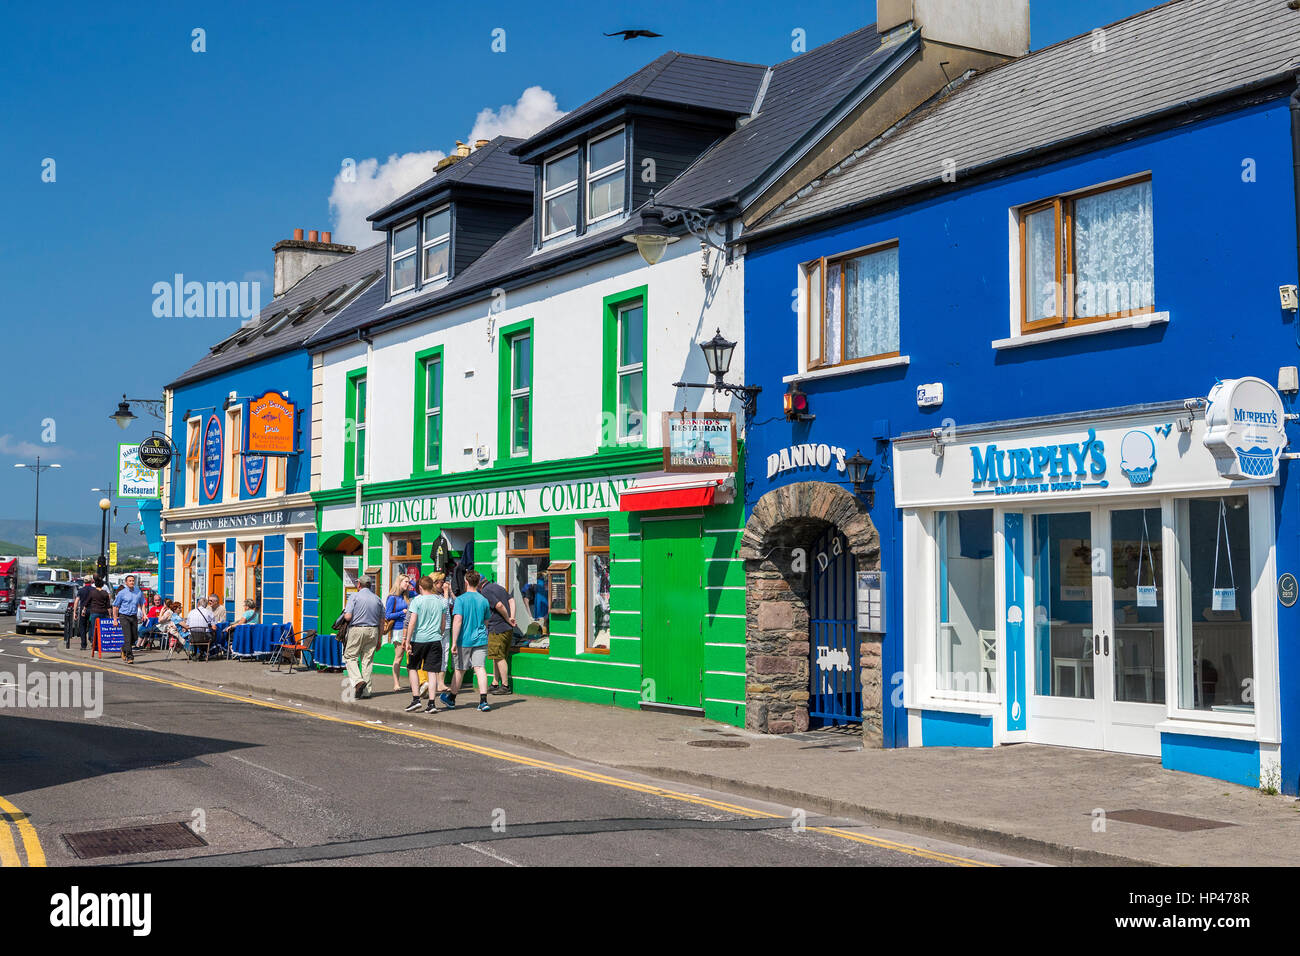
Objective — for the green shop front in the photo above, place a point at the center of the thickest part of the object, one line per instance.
(627, 573)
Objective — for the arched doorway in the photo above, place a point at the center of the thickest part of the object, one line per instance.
(340, 566)
(796, 604)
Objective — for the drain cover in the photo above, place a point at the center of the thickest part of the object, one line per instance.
(1165, 821)
(124, 840)
(720, 742)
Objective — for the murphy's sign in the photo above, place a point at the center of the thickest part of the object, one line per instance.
(1064, 466)
(533, 501)
(1154, 451)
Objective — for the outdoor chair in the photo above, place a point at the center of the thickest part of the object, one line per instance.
(288, 652)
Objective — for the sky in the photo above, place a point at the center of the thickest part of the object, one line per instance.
(128, 155)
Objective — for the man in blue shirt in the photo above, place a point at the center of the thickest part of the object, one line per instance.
(126, 611)
(469, 641)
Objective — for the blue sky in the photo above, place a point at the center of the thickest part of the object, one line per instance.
(171, 161)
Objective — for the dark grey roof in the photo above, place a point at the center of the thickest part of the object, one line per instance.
(490, 167)
(802, 94)
(1154, 61)
(328, 287)
(673, 79)
(799, 95)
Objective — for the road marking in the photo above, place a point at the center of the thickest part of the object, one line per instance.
(8, 852)
(31, 842)
(486, 852)
(588, 775)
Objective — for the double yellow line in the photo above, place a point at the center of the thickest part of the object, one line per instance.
(11, 816)
(590, 776)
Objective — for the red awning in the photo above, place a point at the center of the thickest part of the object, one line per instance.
(659, 495)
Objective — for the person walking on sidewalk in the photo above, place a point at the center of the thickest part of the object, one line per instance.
(363, 613)
(80, 609)
(424, 640)
(395, 606)
(501, 634)
(469, 641)
(128, 604)
(99, 604)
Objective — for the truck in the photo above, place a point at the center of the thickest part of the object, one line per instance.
(10, 587)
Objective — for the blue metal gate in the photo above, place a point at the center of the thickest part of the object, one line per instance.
(836, 693)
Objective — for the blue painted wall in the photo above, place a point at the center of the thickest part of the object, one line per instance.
(1222, 248)
(289, 372)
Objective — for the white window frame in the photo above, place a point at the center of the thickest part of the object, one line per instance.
(426, 243)
(393, 256)
(516, 392)
(594, 174)
(193, 481)
(433, 411)
(621, 370)
(548, 195)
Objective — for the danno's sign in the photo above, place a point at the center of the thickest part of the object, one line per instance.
(805, 456)
(1245, 428)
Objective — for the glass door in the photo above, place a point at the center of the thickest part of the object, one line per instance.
(1097, 622)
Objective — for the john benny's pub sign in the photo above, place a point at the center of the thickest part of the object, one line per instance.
(532, 501)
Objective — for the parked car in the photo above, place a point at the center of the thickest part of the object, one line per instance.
(44, 604)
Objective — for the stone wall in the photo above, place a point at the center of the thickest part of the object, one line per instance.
(777, 664)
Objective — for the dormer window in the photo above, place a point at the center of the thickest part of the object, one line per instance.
(560, 195)
(437, 244)
(402, 271)
(606, 162)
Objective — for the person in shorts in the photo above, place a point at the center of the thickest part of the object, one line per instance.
(422, 640)
(469, 641)
(501, 634)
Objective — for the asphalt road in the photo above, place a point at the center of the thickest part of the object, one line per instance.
(279, 788)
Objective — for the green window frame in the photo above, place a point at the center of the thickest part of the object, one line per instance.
(624, 364)
(354, 437)
(430, 371)
(515, 394)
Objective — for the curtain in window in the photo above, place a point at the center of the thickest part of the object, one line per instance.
(871, 304)
(1114, 258)
(832, 345)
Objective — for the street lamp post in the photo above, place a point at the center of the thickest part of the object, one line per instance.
(101, 569)
(38, 468)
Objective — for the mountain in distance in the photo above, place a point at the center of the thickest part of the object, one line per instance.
(71, 539)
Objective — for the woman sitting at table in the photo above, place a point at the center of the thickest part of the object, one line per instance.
(150, 627)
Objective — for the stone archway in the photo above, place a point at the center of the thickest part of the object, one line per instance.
(777, 678)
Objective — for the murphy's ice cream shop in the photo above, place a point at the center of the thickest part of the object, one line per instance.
(1108, 580)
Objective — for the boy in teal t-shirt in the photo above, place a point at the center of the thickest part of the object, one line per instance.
(469, 641)
(423, 640)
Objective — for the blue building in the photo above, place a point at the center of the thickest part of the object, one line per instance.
(239, 520)
(1019, 305)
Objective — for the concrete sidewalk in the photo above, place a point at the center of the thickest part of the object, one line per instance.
(1029, 800)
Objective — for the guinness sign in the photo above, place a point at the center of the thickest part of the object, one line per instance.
(155, 452)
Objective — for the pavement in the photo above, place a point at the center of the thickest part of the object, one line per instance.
(1045, 803)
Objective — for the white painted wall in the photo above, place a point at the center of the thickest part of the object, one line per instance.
(567, 314)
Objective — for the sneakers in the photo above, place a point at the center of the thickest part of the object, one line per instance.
(484, 705)
(447, 700)
(431, 709)
(414, 705)
(499, 690)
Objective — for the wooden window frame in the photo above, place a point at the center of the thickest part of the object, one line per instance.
(235, 429)
(531, 551)
(817, 362)
(193, 460)
(587, 590)
(405, 556)
(1064, 260)
(279, 475)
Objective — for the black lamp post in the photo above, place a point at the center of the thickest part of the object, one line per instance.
(101, 567)
(651, 238)
(858, 468)
(124, 416)
(717, 356)
(38, 468)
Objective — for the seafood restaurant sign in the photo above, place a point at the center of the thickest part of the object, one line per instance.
(529, 502)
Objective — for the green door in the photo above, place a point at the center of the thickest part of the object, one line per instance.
(673, 602)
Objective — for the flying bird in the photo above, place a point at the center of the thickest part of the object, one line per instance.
(629, 34)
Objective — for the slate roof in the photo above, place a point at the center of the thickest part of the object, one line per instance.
(800, 93)
(313, 294)
(673, 79)
(1154, 61)
(490, 167)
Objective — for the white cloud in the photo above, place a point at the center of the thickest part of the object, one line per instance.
(361, 188)
(27, 449)
(359, 192)
(535, 110)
